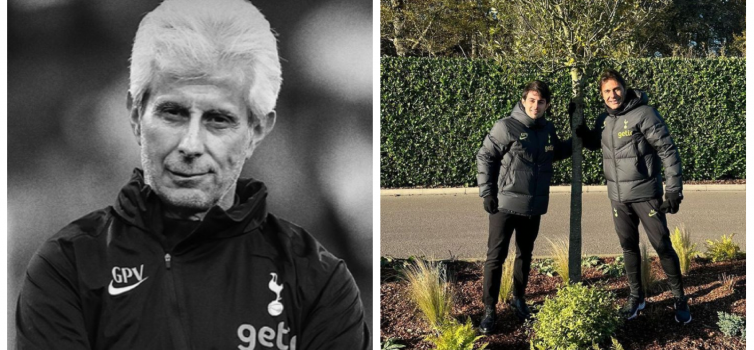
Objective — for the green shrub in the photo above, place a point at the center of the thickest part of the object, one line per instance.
(590, 261)
(545, 267)
(506, 280)
(429, 290)
(723, 250)
(614, 269)
(685, 250)
(456, 336)
(560, 258)
(391, 344)
(614, 346)
(731, 324)
(575, 318)
(648, 277)
(434, 114)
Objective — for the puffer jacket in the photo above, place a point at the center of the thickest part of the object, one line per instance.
(635, 144)
(515, 162)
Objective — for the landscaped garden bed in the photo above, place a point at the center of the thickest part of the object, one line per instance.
(711, 286)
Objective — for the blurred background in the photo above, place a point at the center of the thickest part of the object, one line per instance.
(70, 147)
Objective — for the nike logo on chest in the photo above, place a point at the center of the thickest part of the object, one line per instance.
(127, 279)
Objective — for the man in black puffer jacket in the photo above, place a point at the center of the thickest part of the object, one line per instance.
(635, 144)
(514, 170)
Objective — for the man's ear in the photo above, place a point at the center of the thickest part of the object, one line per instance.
(259, 130)
(134, 118)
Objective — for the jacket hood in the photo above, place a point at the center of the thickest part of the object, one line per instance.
(140, 206)
(634, 98)
(519, 114)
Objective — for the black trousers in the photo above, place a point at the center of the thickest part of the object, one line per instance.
(627, 217)
(502, 226)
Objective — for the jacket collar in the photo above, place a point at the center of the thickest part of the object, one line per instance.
(139, 205)
(634, 98)
(520, 115)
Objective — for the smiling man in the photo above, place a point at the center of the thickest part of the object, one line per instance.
(514, 167)
(636, 145)
(188, 257)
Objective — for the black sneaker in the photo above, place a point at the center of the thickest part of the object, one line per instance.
(682, 312)
(488, 322)
(633, 306)
(520, 308)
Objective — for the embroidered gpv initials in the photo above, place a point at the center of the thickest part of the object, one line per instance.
(127, 279)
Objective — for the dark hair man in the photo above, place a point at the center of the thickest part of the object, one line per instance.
(635, 144)
(188, 257)
(514, 169)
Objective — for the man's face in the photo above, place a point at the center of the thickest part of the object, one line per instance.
(535, 105)
(613, 93)
(195, 138)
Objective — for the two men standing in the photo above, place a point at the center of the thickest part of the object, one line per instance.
(514, 174)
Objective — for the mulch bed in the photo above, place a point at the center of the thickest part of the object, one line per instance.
(654, 328)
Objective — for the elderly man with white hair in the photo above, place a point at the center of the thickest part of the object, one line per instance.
(188, 256)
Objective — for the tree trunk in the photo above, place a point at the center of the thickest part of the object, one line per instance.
(399, 31)
(574, 242)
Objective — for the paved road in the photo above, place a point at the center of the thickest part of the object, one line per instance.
(434, 225)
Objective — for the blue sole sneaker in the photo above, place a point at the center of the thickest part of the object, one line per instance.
(633, 306)
(682, 312)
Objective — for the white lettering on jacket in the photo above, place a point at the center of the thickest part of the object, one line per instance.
(123, 275)
(265, 336)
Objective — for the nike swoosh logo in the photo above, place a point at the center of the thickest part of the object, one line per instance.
(116, 291)
(652, 213)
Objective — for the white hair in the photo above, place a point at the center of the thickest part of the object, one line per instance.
(189, 39)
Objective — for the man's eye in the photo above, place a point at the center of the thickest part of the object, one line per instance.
(219, 120)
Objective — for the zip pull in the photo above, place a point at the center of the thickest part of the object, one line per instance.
(167, 260)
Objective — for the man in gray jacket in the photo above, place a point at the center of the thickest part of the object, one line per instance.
(635, 145)
(514, 170)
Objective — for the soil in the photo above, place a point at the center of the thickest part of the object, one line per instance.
(654, 328)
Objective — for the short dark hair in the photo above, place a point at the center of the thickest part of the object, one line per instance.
(538, 86)
(612, 74)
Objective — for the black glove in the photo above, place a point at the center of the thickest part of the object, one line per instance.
(490, 204)
(672, 202)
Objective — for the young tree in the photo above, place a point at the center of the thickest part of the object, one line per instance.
(570, 34)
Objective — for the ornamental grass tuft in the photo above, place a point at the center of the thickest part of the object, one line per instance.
(430, 291)
(648, 277)
(686, 251)
(506, 280)
(559, 249)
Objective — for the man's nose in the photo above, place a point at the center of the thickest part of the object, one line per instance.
(192, 140)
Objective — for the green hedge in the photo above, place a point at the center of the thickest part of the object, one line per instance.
(434, 114)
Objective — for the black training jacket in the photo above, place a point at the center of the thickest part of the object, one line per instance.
(243, 279)
(635, 144)
(515, 162)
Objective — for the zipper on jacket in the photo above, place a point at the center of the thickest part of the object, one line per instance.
(176, 322)
(615, 161)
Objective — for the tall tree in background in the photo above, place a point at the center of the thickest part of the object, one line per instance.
(570, 34)
(697, 28)
(445, 28)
